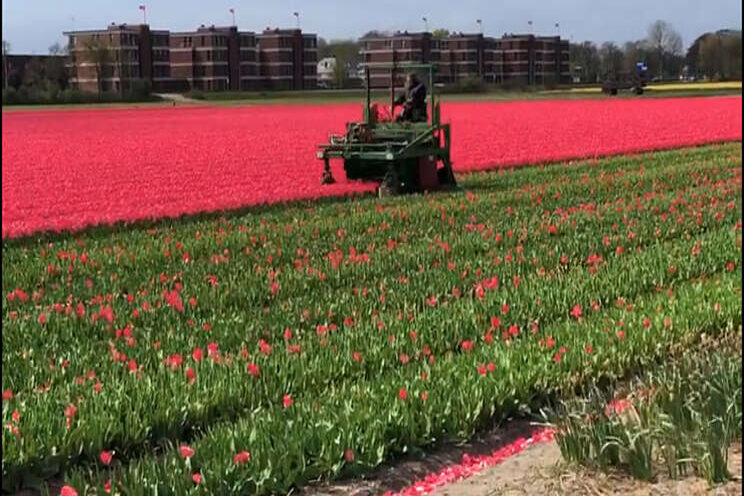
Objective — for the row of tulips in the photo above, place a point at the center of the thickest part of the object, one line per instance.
(358, 425)
(115, 341)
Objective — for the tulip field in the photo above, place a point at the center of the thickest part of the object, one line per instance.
(67, 170)
(256, 351)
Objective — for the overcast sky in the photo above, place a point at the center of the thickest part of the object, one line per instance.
(31, 26)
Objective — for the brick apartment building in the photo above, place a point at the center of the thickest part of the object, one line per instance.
(460, 56)
(512, 59)
(126, 54)
(402, 48)
(213, 59)
(209, 58)
(288, 59)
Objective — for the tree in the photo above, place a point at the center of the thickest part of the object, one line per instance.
(6, 50)
(718, 54)
(58, 50)
(585, 61)
(440, 33)
(100, 56)
(692, 57)
(340, 77)
(55, 67)
(345, 53)
(375, 34)
(612, 59)
(634, 52)
(711, 56)
(34, 74)
(341, 49)
(732, 56)
(665, 41)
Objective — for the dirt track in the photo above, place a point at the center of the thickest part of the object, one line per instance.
(537, 470)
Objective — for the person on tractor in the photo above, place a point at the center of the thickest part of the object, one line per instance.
(413, 101)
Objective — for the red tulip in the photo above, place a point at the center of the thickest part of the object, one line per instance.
(576, 312)
(349, 456)
(106, 457)
(68, 491)
(241, 458)
(96, 153)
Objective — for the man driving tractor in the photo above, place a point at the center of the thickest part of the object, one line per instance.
(413, 101)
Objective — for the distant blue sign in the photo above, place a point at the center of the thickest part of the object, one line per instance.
(641, 66)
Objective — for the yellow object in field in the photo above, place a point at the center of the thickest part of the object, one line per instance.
(727, 85)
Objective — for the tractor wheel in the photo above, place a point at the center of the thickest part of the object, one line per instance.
(353, 169)
(390, 183)
(613, 91)
(638, 90)
(446, 178)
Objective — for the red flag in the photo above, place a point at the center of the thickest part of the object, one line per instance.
(142, 7)
(232, 11)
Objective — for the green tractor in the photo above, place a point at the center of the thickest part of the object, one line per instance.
(405, 157)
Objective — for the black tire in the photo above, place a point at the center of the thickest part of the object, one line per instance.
(390, 185)
(613, 91)
(364, 170)
(639, 91)
(446, 178)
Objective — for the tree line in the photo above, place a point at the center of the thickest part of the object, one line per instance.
(714, 56)
(47, 79)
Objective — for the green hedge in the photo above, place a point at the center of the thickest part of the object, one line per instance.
(35, 96)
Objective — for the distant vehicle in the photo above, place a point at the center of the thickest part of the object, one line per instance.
(635, 81)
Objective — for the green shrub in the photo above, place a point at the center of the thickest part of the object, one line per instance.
(467, 85)
(196, 94)
(50, 95)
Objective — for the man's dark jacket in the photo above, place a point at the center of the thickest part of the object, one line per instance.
(414, 103)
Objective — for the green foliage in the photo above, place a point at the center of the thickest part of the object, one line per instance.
(466, 85)
(52, 96)
(682, 416)
(397, 281)
(195, 94)
(719, 56)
